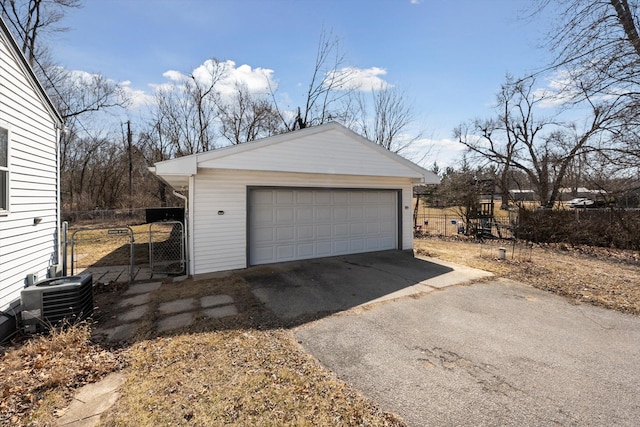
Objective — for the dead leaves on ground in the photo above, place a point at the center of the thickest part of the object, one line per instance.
(63, 360)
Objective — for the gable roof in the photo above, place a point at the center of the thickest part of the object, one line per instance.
(330, 148)
(21, 60)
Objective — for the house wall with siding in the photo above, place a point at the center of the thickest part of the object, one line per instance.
(220, 241)
(26, 248)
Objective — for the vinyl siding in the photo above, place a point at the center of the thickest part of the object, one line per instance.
(328, 152)
(220, 241)
(33, 172)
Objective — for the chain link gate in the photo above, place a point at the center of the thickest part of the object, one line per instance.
(92, 250)
(166, 247)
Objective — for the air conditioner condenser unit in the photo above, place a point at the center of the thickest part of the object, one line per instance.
(52, 301)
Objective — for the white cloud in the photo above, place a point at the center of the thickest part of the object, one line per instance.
(558, 90)
(257, 80)
(366, 79)
(444, 151)
(137, 98)
(175, 76)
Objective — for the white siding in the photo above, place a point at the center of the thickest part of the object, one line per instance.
(327, 152)
(220, 241)
(24, 247)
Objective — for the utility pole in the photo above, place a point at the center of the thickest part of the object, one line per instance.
(129, 140)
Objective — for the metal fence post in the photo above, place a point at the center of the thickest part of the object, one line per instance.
(65, 242)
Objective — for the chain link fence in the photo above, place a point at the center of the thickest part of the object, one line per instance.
(166, 247)
(454, 225)
(106, 216)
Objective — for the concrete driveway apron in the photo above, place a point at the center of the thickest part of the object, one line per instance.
(492, 353)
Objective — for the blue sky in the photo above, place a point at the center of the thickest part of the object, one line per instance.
(450, 57)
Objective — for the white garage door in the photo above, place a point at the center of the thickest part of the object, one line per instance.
(290, 224)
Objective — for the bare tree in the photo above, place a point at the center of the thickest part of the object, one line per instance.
(247, 117)
(330, 84)
(543, 149)
(384, 118)
(30, 19)
(185, 112)
(597, 46)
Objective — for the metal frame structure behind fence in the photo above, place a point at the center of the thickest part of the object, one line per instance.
(453, 225)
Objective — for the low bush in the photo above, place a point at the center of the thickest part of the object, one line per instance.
(610, 228)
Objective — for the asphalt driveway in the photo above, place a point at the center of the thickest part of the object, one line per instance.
(302, 289)
(492, 353)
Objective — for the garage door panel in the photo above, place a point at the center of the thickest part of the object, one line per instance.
(340, 213)
(386, 242)
(356, 212)
(289, 224)
(262, 198)
(304, 232)
(340, 230)
(285, 233)
(371, 212)
(304, 197)
(322, 214)
(323, 248)
(387, 227)
(386, 198)
(341, 247)
(284, 197)
(263, 255)
(305, 250)
(372, 244)
(304, 215)
(357, 229)
(322, 197)
(264, 235)
(356, 245)
(340, 198)
(263, 215)
(372, 228)
(323, 231)
(284, 215)
(372, 197)
(356, 197)
(285, 252)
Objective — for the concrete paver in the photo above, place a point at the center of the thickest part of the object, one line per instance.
(140, 299)
(219, 312)
(122, 332)
(177, 306)
(213, 300)
(174, 322)
(133, 314)
(91, 401)
(143, 288)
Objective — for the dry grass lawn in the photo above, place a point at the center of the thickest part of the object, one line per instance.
(599, 276)
(248, 369)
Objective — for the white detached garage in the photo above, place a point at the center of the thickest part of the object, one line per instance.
(317, 192)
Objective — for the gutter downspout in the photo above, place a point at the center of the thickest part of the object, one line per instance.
(186, 230)
(59, 256)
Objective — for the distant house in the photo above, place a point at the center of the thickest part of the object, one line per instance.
(317, 192)
(30, 128)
